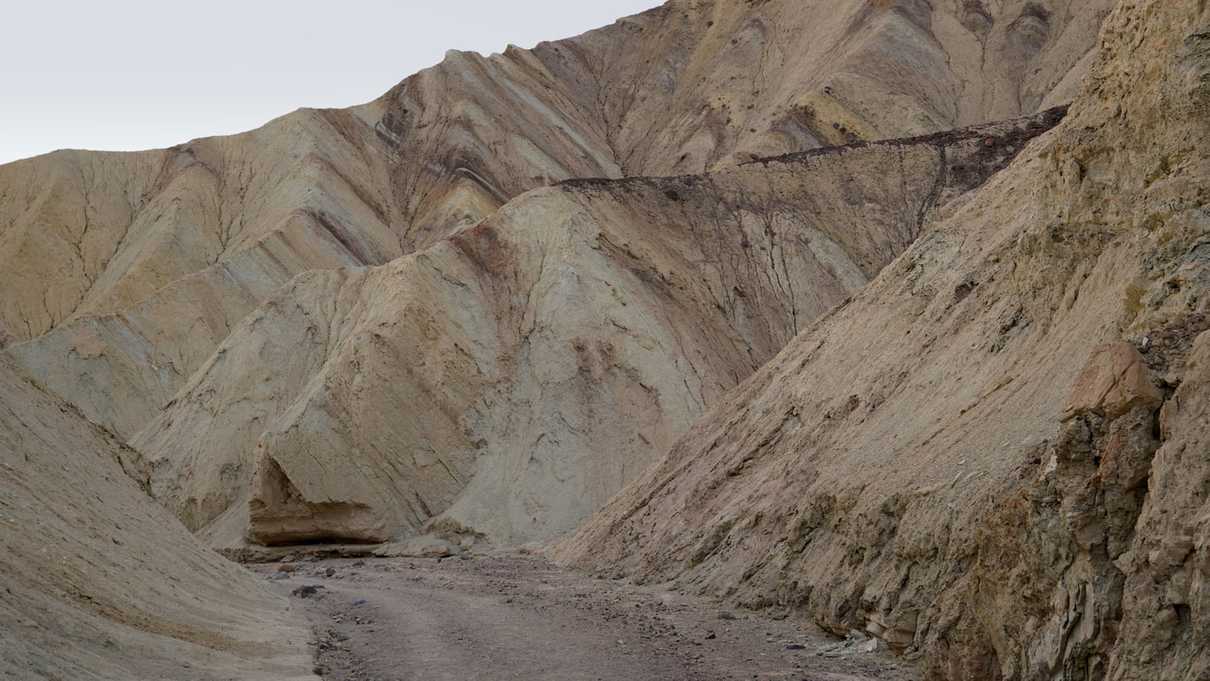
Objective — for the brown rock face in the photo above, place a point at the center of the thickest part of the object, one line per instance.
(971, 459)
(1114, 381)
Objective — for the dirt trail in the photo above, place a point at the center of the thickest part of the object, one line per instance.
(518, 617)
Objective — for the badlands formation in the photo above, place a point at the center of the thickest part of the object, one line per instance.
(158, 291)
(99, 582)
(541, 357)
(1013, 478)
(828, 307)
(123, 273)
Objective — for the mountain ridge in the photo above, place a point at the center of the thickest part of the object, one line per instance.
(768, 282)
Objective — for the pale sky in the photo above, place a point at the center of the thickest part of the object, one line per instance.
(140, 74)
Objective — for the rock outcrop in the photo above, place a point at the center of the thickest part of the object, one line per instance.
(516, 375)
(98, 582)
(995, 455)
(124, 272)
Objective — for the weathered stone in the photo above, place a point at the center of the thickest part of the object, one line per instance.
(1114, 381)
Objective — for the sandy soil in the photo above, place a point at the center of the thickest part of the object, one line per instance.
(511, 616)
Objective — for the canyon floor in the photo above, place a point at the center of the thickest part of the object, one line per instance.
(514, 616)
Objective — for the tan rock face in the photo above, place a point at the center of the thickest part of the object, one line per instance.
(99, 582)
(514, 376)
(160, 254)
(1114, 381)
(910, 466)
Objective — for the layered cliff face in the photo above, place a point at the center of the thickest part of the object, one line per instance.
(995, 454)
(100, 582)
(517, 374)
(128, 270)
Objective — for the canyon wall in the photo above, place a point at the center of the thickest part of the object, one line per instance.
(994, 455)
(515, 375)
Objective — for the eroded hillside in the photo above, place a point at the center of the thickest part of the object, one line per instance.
(995, 454)
(541, 357)
(128, 270)
(99, 582)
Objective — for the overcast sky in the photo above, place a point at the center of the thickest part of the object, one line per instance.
(139, 74)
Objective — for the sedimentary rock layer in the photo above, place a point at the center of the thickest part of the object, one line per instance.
(517, 374)
(138, 265)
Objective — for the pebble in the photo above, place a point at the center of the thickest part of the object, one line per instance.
(306, 591)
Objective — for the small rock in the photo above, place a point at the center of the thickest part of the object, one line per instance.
(873, 645)
(795, 646)
(306, 591)
(1114, 380)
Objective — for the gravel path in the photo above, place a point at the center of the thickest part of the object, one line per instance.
(517, 617)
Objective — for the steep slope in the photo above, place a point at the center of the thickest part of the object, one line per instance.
(518, 374)
(140, 264)
(996, 453)
(101, 583)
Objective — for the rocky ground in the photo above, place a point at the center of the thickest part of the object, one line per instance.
(515, 616)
